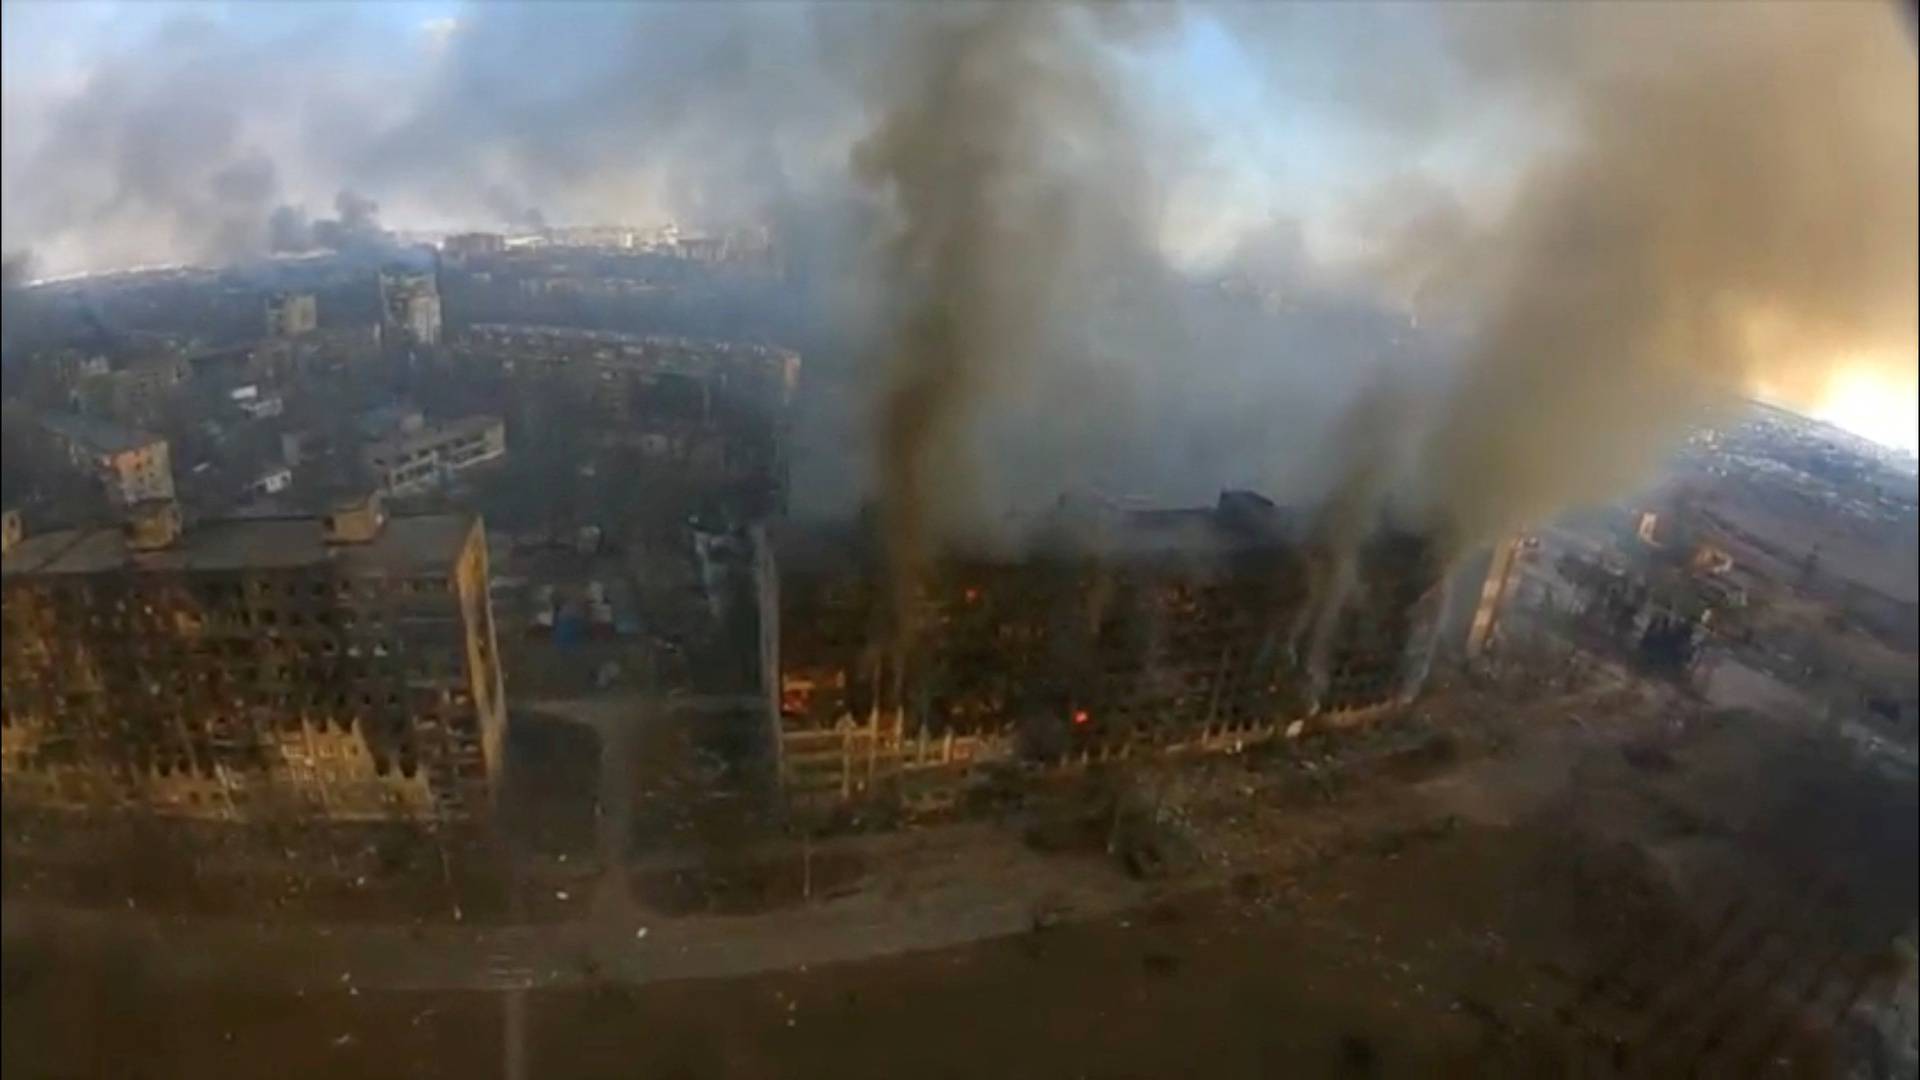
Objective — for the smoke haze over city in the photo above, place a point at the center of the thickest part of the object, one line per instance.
(987, 538)
(1569, 226)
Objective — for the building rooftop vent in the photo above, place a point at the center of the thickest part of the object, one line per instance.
(355, 520)
(153, 524)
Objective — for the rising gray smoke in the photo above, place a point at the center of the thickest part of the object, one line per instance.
(1726, 198)
(355, 225)
(184, 145)
(511, 211)
(356, 212)
(355, 228)
(1733, 210)
(14, 270)
(151, 159)
(289, 230)
(1007, 155)
(709, 114)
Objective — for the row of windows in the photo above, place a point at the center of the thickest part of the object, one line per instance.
(82, 594)
(308, 631)
(201, 751)
(24, 696)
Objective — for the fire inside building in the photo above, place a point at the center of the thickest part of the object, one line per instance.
(339, 668)
(1115, 632)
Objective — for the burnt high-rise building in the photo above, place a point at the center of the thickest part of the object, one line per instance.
(340, 667)
(1111, 632)
(291, 314)
(409, 308)
(716, 409)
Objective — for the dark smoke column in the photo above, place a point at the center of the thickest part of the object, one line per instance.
(1004, 149)
(1734, 214)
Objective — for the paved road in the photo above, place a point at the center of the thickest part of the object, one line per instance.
(927, 900)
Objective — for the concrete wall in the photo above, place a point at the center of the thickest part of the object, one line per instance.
(253, 694)
(1054, 661)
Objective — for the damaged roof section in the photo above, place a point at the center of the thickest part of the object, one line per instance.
(1114, 630)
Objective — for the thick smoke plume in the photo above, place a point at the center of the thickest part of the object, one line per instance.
(354, 228)
(1732, 210)
(216, 136)
(1709, 201)
(512, 212)
(1008, 158)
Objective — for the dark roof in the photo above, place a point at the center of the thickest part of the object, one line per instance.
(404, 545)
(403, 443)
(754, 349)
(100, 436)
(1241, 520)
(382, 420)
(1079, 525)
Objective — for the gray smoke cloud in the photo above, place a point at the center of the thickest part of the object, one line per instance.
(208, 140)
(356, 212)
(1015, 179)
(153, 158)
(1711, 199)
(14, 270)
(1732, 208)
(354, 228)
(708, 114)
(289, 230)
(513, 212)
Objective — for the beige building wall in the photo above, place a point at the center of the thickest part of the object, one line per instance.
(255, 694)
(140, 474)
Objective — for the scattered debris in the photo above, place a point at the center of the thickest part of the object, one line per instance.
(1160, 964)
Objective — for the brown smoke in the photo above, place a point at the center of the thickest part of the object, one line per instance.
(1735, 208)
(1370, 446)
(1006, 154)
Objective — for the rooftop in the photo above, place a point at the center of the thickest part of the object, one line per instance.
(405, 545)
(101, 436)
(404, 443)
(383, 420)
(1078, 525)
(615, 337)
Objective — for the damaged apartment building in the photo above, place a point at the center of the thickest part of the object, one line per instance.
(340, 667)
(420, 456)
(131, 466)
(1113, 632)
(715, 408)
(1660, 616)
(409, 308)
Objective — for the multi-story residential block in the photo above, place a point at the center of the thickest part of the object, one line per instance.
(134, 466)
(261, 669)
(292, 314)
(417, 460)
(409, 308)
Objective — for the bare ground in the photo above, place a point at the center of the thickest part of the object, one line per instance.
(1613, 883)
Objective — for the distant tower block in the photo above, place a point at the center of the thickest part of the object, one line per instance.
(409, 308)
(292, 314)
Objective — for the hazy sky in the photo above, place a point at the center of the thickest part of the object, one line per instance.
(1331, 142)
(1269, 137)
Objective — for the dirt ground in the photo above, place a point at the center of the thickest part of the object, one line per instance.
(1599, 885)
